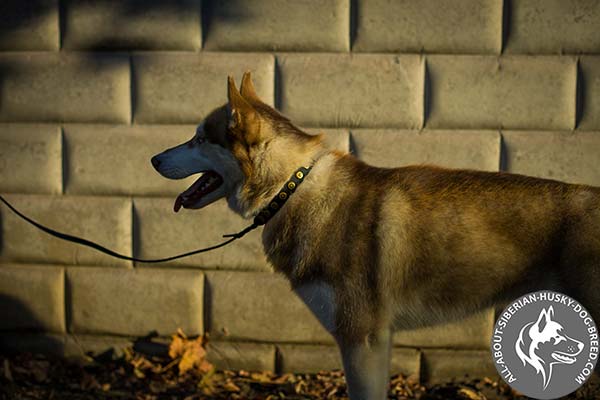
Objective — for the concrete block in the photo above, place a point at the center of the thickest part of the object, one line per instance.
(239, 355)
(132, 24)
(80, 346)
(553, 26)
(507, 92)
(57, 87)
(106, 221)
(308, 358)
(32, 298)
(448, 148)
(71, 346)
(566, 156)
(340, 90)
(314, 358)
(29, 25)
(276, 25)
(258, 306)
(135, 302)
(115, 159)
(335, 139)
(36, 343)
(432, 26)
(440, 366)
(161, 233)
(473, 332)
(185, 87)
(406, 362)
(30, 158)
(590, 86)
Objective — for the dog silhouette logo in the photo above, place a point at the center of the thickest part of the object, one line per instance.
(543, 344)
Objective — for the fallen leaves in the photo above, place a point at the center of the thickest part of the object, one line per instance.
(189, 354)
(6, 370)
(180, 370)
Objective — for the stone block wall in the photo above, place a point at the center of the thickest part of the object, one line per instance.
(90, 90)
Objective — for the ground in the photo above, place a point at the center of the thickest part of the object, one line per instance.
(185, 374)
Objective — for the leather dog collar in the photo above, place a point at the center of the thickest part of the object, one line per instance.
(282, 196)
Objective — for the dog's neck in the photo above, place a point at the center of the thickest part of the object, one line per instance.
(299, 214)
(282, 196)
(266, 184)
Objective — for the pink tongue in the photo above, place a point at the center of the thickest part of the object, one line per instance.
(198, 189)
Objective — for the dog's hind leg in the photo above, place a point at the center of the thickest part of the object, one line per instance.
(367, 366)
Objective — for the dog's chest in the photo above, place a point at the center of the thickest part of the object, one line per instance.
(320, 298)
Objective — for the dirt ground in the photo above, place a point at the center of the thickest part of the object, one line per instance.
(29, 376)
(184, 373)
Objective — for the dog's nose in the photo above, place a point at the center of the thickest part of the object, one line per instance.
(155, 162)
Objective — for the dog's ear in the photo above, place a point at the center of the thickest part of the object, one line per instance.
(543, 319)
(247, 87)
(242, 116)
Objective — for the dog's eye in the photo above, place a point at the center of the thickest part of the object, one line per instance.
(557, 339)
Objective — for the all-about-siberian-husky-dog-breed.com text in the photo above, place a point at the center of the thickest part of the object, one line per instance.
(373, 250)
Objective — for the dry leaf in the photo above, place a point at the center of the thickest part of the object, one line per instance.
(39, 370)
(177, 347)
(231, 387)
(7, 373)
(470, 394)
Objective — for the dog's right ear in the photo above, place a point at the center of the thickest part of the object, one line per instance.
(247, 87)
(243, 118)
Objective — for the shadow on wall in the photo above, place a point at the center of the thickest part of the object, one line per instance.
(114, 25)
(217, 11)
(18, 14)
(21, 331)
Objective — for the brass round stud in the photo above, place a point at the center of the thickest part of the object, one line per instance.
(274, 206)
(283, 195)
(266, 213)
(291, 185)
(299, 175)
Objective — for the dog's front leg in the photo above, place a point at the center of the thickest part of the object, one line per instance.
(367, 365)
(366, 360)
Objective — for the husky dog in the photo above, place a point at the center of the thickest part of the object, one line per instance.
(543, 343)
(373, 250)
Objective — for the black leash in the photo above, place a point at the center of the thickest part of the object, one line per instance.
(261, 219)
(93, 245)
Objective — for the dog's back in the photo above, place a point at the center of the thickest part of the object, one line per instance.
(442, 243)
(490, 235)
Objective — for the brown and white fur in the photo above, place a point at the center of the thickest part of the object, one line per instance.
(373, 250)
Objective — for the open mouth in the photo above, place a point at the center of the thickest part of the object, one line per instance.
(563, 358)
(207, 183)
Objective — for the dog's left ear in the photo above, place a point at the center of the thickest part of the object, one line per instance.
(243, 118)
(544, 318)
(247, 87)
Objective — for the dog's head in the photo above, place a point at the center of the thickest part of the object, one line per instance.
(544, 343)
(244, 149)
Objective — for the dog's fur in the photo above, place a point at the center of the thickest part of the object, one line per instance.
(372, 250)
(543, 343)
